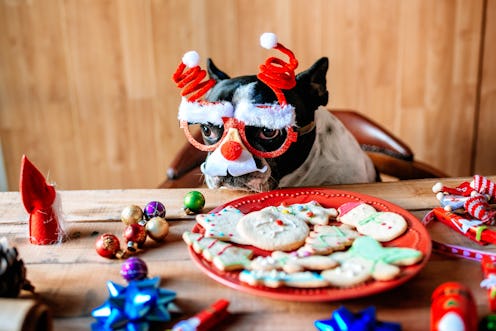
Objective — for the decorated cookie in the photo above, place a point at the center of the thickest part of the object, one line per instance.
(367, 259)
(292, 263)
(311, 212)
(270, 229)
(224, 256)
(325, 239)
(222, 225)
(353, 212)
(382, 226)
(274, 278)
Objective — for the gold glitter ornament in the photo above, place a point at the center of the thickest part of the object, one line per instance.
(131, 215)
(157, 228)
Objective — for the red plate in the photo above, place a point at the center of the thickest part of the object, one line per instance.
(415, 237)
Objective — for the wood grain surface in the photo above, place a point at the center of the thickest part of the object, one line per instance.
(70, 277)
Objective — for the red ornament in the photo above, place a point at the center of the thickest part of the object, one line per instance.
(108, 245)
(135, 236)
(38, 198)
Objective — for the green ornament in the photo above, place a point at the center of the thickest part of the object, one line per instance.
(194, 202)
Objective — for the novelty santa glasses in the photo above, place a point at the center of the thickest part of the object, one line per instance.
(245, 125)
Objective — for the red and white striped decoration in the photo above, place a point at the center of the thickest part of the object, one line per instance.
(479, 208)
(484, 185)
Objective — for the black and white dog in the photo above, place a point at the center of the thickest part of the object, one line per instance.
(324, 153)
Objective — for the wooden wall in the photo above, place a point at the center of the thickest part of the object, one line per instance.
(86, 94)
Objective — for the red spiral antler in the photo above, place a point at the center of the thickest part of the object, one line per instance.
(274, 72)
(191, 80)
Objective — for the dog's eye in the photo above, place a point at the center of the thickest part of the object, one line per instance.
(268, 134)
(211, 133)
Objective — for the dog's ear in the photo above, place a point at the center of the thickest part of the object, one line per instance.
(214, 72)
(312, 84)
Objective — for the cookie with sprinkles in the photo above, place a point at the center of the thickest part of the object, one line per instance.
(311, 212)
(270, 229)
(222, 225)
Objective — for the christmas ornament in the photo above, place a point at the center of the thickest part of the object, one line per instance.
(133, 307)
(194, 202)
(12, 272)
(453, 308)
(135, 236)
(157, 228)
(154, 209)
(41, 202)
(344, 320)
(108, 246)
(131, 214)
(134, 268)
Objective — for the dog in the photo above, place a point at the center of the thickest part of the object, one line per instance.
(324, 153)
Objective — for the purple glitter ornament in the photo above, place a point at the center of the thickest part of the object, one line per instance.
(154, 209)
(134, 268)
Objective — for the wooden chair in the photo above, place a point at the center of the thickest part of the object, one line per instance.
(391, 156)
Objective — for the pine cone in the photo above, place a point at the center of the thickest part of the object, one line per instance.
(12, 272)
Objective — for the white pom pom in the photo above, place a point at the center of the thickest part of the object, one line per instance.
(268, 40)
(191, 59)
(439, 195)
(438, 187)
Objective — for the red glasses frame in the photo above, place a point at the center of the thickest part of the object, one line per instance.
(229, 123)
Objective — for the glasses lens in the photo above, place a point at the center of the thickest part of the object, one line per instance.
(206, 134)
(264, 139)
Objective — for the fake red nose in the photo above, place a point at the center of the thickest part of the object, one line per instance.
(231, 150)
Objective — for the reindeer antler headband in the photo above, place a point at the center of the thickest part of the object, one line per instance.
(274, 72)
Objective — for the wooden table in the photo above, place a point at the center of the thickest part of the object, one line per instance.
(71, 278)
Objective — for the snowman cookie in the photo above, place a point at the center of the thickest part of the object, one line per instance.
(291, 263)
(222, 225)
(382, 226)
(270, 229)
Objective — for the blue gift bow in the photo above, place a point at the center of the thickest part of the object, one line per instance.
(132, 308)
(344, 320)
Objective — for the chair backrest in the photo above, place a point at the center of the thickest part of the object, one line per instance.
(391, 156)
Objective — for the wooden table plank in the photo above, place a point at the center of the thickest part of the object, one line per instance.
(71, 278)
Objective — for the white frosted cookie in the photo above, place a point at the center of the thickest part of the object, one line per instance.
(274, 278)
(311, 212)
(325, 239)
(292, 263)
(222, 225)
(272, 230)
(382, 226)
(224, 256)
(367, 259)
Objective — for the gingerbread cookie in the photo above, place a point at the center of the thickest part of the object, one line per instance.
(325, 239)
(382, 226)
(222, 225)
(274, 278)
(367, 259)
(270, 229)
(291, 263)
(311, 212)
(223, 255)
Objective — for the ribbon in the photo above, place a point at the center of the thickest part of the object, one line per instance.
(344, 320)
